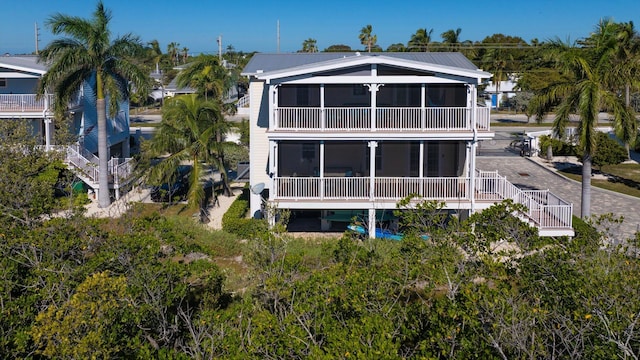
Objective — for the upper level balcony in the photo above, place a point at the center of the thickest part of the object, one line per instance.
(394, 119)
(29, 104)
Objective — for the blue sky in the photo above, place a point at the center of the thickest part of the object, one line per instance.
(250, 25)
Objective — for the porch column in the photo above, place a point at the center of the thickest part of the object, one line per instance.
(323, 115)
(273, 168)
(325, 225)
(273, 104)
(373, 89)
(473, 104)
(372, 169)
(471, 149)
(321, 170)
(48, 122)
(421, 159)
(372, 224)
(423, 106)
(474, 144)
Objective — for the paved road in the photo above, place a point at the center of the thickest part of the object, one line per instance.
(526, 173)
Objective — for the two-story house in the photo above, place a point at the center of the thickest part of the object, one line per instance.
(349, 131)
(19, 77)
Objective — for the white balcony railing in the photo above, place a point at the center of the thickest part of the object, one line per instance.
(20, 103)
(387, 118)
(358, 188)
(543, 208)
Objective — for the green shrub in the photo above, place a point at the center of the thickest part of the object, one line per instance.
(608, 151)
(560, 148)
(586, 237)
(234, 221)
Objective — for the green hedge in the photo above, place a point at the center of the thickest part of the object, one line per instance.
(235, 220)
(560, 148)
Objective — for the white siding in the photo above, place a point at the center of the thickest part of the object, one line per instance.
(259, 144)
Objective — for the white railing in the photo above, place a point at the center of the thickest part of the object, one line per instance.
(430, 188)
(120, 169)
(243, 101)
(88, 168)
(347, 118)
(31, 102)
(483, 118)
(358, 188)
(22, 103)
(399, 118)
(302, 118)
(387, 118)
(543, 208)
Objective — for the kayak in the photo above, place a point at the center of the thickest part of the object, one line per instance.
(380, 233)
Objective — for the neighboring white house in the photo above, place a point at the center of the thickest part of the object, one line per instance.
(345, 132)
(496, 92)
(19, 77)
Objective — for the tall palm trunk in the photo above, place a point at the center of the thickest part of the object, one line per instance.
(627, 101)
(225, 179)
(586, 185)
(104, 199)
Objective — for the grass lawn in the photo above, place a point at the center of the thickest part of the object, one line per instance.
(625, 178)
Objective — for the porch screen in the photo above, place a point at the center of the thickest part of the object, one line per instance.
(299, 96)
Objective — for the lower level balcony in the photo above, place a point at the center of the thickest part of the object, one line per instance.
(550, 214)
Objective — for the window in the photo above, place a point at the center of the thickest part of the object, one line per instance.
(3, 82)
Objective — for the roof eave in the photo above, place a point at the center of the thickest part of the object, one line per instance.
(360, 60)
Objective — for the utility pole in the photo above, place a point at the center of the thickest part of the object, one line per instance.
(278, 36)
(37, 40)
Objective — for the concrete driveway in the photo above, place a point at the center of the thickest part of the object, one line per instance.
(538, 174)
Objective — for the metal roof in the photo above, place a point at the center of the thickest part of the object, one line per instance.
(262, 62)
(23, 63)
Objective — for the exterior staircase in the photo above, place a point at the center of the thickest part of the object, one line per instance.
(243, 105)
(544, 210)
(85, 165)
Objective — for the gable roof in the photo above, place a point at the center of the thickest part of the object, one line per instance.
(267, 66)
(23, 63)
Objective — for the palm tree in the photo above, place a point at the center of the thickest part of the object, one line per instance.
(172, 51)
(310, 46)
(452, 38)
(88, 54)
(497, 62)
(582, 90)
(420, 40)
(185, 54)
(154, 52)
(206, 75)
(367, 37)
(621, 44)
(191, 131)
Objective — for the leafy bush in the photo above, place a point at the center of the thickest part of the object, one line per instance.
(233, 154)
(234, 221)
(608, 151)
(560, 148)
